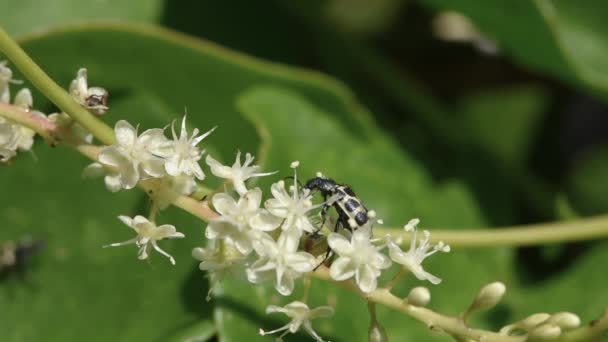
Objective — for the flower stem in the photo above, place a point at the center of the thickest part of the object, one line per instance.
(40, 125)
(524, 235)
(454, 326)
(53, 91)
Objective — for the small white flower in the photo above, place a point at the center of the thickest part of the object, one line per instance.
(238, 173)
(182, 155)
(148, 233)
(216, 259)
(300, 316)
(170, 188)
(292, 208)
(412, 259)
(25, 136)
(132, 156)
(8, 140)
(6, 77)
(15, 137)
(218, 262)
(357, 258)
(93, 98)
(241, 220)
(281, 260)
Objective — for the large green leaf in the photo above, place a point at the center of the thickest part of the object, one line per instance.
(586, 183)
(152, 75)
(74, 289)
(26, 16)
(559, 37)
(389, 181)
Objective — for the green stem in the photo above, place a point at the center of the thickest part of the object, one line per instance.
(525, 235)
(40, 125)
(53, 91)
(435, 321)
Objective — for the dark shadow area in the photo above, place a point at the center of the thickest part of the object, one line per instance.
(534, 265)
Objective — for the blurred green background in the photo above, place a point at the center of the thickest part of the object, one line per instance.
(467, 114)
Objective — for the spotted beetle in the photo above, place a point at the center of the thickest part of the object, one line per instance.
(352, 214)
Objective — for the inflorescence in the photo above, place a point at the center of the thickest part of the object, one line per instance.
(270, 240)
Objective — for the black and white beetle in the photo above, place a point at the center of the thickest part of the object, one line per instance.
(352, 214)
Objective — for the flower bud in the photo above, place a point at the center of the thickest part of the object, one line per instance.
(565, 320)
(488, 296)
(545, 332)
(535, 320)
(376, 333)
(419, 296)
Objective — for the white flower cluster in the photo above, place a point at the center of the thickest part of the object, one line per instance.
(267, 237)
(274, 233)
(14, 137)
(147, 156)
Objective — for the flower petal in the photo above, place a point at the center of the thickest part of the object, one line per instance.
(340, 244)
(366, 278)
(125, 133)
(342, 269)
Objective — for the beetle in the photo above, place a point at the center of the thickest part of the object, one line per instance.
(352, 214)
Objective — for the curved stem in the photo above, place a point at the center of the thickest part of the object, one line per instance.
(435, 321)
(524, 235)
(52, 90)
(455, 326)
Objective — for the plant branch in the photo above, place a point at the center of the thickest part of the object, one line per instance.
(42, 126)
(524, 235)
(455, 326)
(435, 321)
(53, 91)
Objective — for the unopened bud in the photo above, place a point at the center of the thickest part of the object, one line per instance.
(545, 332)
(419, 296)
(535, 320)
(565, 320)
(488, 296)
(376, 333)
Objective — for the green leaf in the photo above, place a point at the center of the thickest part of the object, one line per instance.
(73, 284)
(505, 120)
(152, 76)
(558, 37)
(587, 185)
(26, 16)
(388, 180)
(580, 290)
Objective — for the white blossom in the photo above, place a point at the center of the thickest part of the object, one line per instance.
(217, 261)
(111, 179)
(6, 77)
(358, 258)
(281, 261)
(8, 140)
(25, 135)
(300, 316)
(292, 208)
(182, 154)
(148, 234)
(15, 137)
(240, 221)
(238, 173)
(418, 251)
(170, 188)
(93, 98)
(133, 156)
